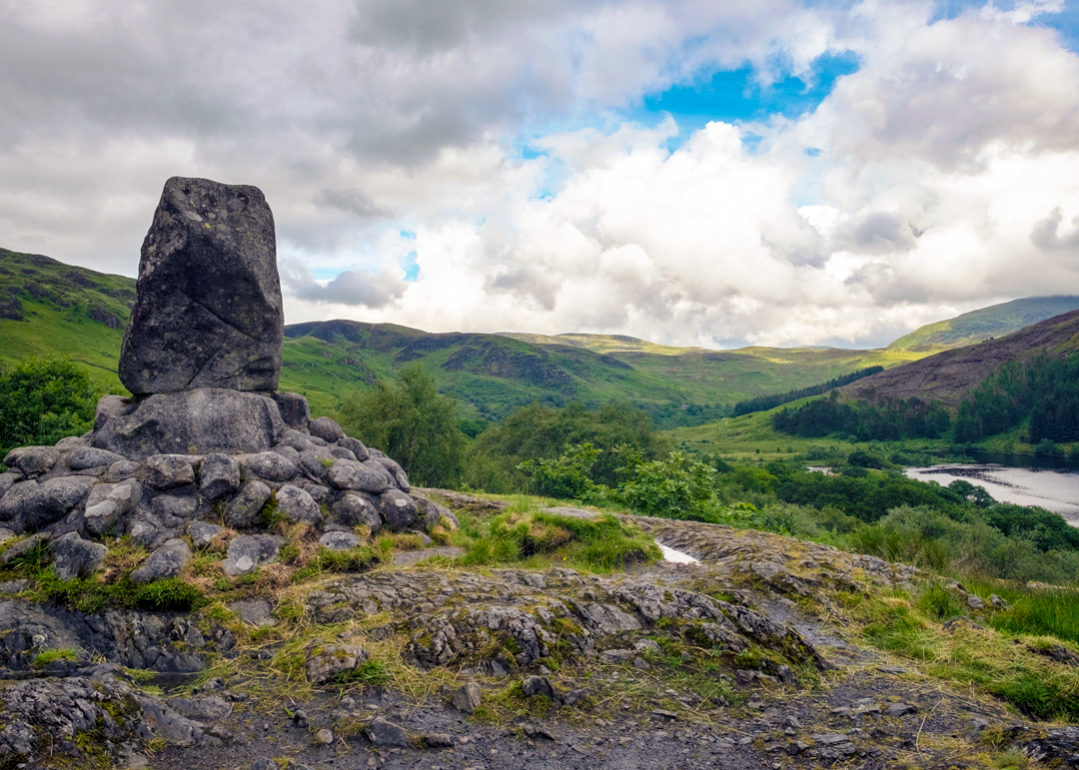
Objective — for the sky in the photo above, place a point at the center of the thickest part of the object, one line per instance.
(692, 172)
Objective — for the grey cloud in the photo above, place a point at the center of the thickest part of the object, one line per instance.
(350, 287)
(352, 201)
(879, 232)
(527, 284)
(887, 286)
(1046, 233)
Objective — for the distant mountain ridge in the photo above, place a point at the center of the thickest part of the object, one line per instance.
(985, 323)
(50, 308)
(948, 376)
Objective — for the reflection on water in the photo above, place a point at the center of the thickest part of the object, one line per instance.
(1056, 491)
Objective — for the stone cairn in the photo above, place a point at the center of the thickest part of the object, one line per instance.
(207, 444)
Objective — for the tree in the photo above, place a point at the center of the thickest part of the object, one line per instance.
(410, 422)
(42, 400)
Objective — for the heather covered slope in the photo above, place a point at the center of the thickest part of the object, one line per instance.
(985, 323)
(948, 376)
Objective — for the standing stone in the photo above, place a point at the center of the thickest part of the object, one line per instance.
(208, 309)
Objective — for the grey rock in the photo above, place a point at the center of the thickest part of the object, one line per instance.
(354, 445)
(350, 474)
(319, 493)
(174, 510)
(13, 586)
(975, 602)
(6, 534)
(467, 698)
(353, 509)
(289, 453)
(30, 505)
(340, 452)
(219, 475)
(256, 612)
(431, 514)
(326, 428)
(324, 736)
(32, 460)
(121, 470)
(316, 463)
(999, 602)
(294, 410)
(244, 509)
(400, 478)
(269, 466)
(107, 503)
(532, 686)
(145, 529)
(299, 440)
(340, 541)
(165, 471)
(382, 732)
(830, 739)
(398, 509)
(8, 480)
(199, 421)
(208, 308)
(298, 505)
(202, 533)
(89, 457)
(248, 552)
(333, 662)
(73, 556)
(900, 709)
(166, 561)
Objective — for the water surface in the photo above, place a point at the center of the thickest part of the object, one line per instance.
(1054, 490)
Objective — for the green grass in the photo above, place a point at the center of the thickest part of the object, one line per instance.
(1003, 663)
(523, 535)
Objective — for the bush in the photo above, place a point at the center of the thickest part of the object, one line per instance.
(43, 400)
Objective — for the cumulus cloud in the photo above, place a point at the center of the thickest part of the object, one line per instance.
(388, 132)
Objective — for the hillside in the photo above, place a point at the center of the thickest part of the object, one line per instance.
(55, 309)
(948, 376)
(985, 323)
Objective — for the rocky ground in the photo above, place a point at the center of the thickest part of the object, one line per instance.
(745, 660)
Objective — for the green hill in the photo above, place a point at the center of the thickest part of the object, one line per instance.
(985, 323)
(49, 308)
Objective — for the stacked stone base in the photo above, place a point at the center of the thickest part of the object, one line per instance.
(175, 470)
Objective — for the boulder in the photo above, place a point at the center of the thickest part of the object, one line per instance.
(165, 562)
(195, 421)
(208, 308)
(202, 533)
(298, 505)
(219, 475)
(106, 503)
(398, 509)
(294, 410)
(353, 509)
(32, 460)
(248, 552)
(326, 428)
(337, 540)
(89, 457)
(30, 505)
(366, 477)
(269, 466)
(244, 509)
(73, 556)
(168, 471)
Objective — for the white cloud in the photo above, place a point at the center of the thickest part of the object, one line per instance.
(945, 177)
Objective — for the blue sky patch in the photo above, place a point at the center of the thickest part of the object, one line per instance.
(737, 95)
(410, 264)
